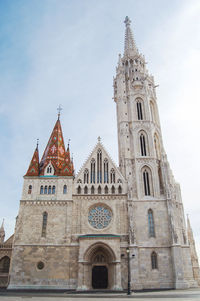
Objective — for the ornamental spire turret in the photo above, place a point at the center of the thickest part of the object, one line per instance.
(2, 233)
(129, 43)
(33, 169)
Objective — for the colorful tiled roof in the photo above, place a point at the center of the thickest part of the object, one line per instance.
(33, 169)
(56, 155)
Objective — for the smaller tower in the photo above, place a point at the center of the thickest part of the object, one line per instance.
(194, 257)
(2, 233)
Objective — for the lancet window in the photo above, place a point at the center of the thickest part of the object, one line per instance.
(92, 173)
(139, 110)
(44, 224)
(151, 223)
(41, 189)
(45, 189)
(143, 148)
(120, 189)
(65, 189)
(85, 190)
(79, 190)
(154, 261)
(105, 171)
(99, 166)
(99, 189)
(86, 176)
(29, 189)
(92, 189)
(106, 189)
(146, 181)
(113, 189)
(112, 176)
(49, 190)
(53, 189)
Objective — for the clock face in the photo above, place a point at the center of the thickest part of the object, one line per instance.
(99, 216)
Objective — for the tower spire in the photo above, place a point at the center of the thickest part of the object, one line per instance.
(2, 232)
(129, 43)
(33, 169)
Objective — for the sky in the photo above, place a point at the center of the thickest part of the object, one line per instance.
(65, 52)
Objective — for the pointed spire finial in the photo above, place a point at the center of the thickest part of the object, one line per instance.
(127, 21)
(99, 139)
(129, 45)
(37, 143)
(59, 109)
(68, 145)
(2, 225)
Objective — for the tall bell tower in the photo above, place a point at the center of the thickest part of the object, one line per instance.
(139, 133)
(155, 210)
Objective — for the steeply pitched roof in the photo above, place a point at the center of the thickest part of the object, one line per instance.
(33, 169)
(56, 155)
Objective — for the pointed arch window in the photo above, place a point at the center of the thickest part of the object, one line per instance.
(106, 189)
(45, 189)
(85, 190)
(119, 189)
(86, 176)
(49, 169)
(53, 189)
(92, 189)
(105, 165)
(151, 223)
(92, 171)
(143, 145)
(4, 265)
(146, 182)
(112, 176)
(154, 261)
(41, 189)
(29, 189)
(105, 171)
(99, 166)
(99, 189)
(65, 189)
(139, 110)
(79, 189)
(49, 190)
(44, 224)
(113, 189)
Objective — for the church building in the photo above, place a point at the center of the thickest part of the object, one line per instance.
(108, 223)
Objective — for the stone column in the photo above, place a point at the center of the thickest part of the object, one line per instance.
(117, 285)
(81, 277)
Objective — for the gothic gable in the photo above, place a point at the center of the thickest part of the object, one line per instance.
(100, 175)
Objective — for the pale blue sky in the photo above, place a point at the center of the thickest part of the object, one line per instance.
(65, 52)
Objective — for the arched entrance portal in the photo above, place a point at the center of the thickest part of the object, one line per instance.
(100, 260)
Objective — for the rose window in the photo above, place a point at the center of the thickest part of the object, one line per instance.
(99, 217)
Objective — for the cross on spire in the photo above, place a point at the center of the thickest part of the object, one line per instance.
(59, 109)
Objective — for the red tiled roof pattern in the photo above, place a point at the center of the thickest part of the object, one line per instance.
(56, 154)
(33, 169)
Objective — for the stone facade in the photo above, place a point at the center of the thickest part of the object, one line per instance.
(73, 232)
